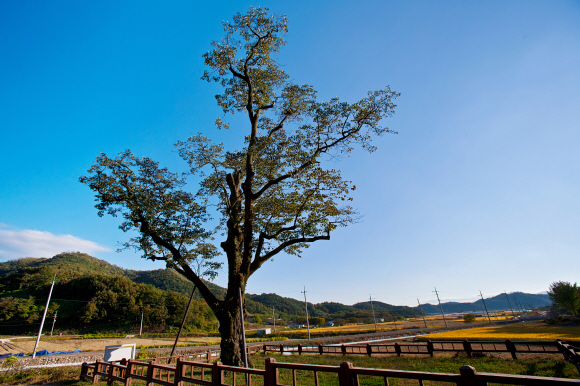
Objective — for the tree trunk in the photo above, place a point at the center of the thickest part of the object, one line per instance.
(231, 333)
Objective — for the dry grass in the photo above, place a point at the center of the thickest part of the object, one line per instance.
(27, 346)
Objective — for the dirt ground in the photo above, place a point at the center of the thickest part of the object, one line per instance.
(27, 345)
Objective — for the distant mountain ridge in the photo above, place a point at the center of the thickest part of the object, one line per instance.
(81, 264)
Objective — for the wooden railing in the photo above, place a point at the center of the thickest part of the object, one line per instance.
(571, 353)
(346, 374)
(422, 348)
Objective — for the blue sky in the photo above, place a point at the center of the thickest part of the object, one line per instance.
(479, 190)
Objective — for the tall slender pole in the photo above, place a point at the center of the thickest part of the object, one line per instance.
(244, 349)
(422, 314)
(274, 319)
(508, 299)
(373, 308)
(485, 306)
(43, 317)
(141, 327)
(518, 306)
(244, 352)
(394, 321)
(306, 306)
(53, 321)
(182, 323)
(441, 307)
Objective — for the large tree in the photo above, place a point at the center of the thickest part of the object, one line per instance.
(273, 195)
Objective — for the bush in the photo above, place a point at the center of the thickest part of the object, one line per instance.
(468, 318)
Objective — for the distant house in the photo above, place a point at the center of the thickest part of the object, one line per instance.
(330, 323)
(264, 331)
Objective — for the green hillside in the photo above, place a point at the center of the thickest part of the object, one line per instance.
(94, 295)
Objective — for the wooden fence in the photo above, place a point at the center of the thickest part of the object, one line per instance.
(206, 374)
(425, 348)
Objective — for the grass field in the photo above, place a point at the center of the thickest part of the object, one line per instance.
(520, 331)
(551, 367)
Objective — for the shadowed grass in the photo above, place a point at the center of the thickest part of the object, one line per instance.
(554, 367)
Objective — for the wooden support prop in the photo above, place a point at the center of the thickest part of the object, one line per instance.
(369, 350)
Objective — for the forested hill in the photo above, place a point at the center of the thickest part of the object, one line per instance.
(93, 294)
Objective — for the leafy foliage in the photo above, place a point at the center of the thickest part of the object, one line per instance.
(468, 318)
(565, 295)
(273, 195)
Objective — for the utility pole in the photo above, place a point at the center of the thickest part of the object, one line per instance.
(373, 308)
(441, 307)
(53, 321)
(306, 307)
(274, 319)
(43, 317)
(508, 299)
(518, 305)
(484, 306)
(141, 327)
(182, 323)
(422, 314)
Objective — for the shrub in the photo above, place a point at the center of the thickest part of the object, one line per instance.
(468, 318)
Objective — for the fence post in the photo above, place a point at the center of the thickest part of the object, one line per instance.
(95, 371)
(320, 349)
(150, 371)
(369, 350)
(343, 349)
(430, 348)
(110, 372)
(345, 375)
(209, 354)
(281, 348)
(217, 375)
(398, 349)
(265, 349)
(271, 377)
(129, 372)
(178, 373)
(299, 349)
(467, 347)
(511, 347)
(469, 377)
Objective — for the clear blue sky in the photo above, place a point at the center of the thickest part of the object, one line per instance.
(480, 189)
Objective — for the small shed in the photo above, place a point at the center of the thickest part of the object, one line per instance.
(264, 331)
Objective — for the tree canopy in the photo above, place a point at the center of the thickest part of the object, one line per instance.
(565, 295)
(274, 194)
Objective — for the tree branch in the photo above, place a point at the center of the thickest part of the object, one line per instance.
(257, 263)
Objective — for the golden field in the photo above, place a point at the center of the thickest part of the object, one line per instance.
(520, 331)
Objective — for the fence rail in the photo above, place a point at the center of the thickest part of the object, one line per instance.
(347, 375)
(426, 348)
